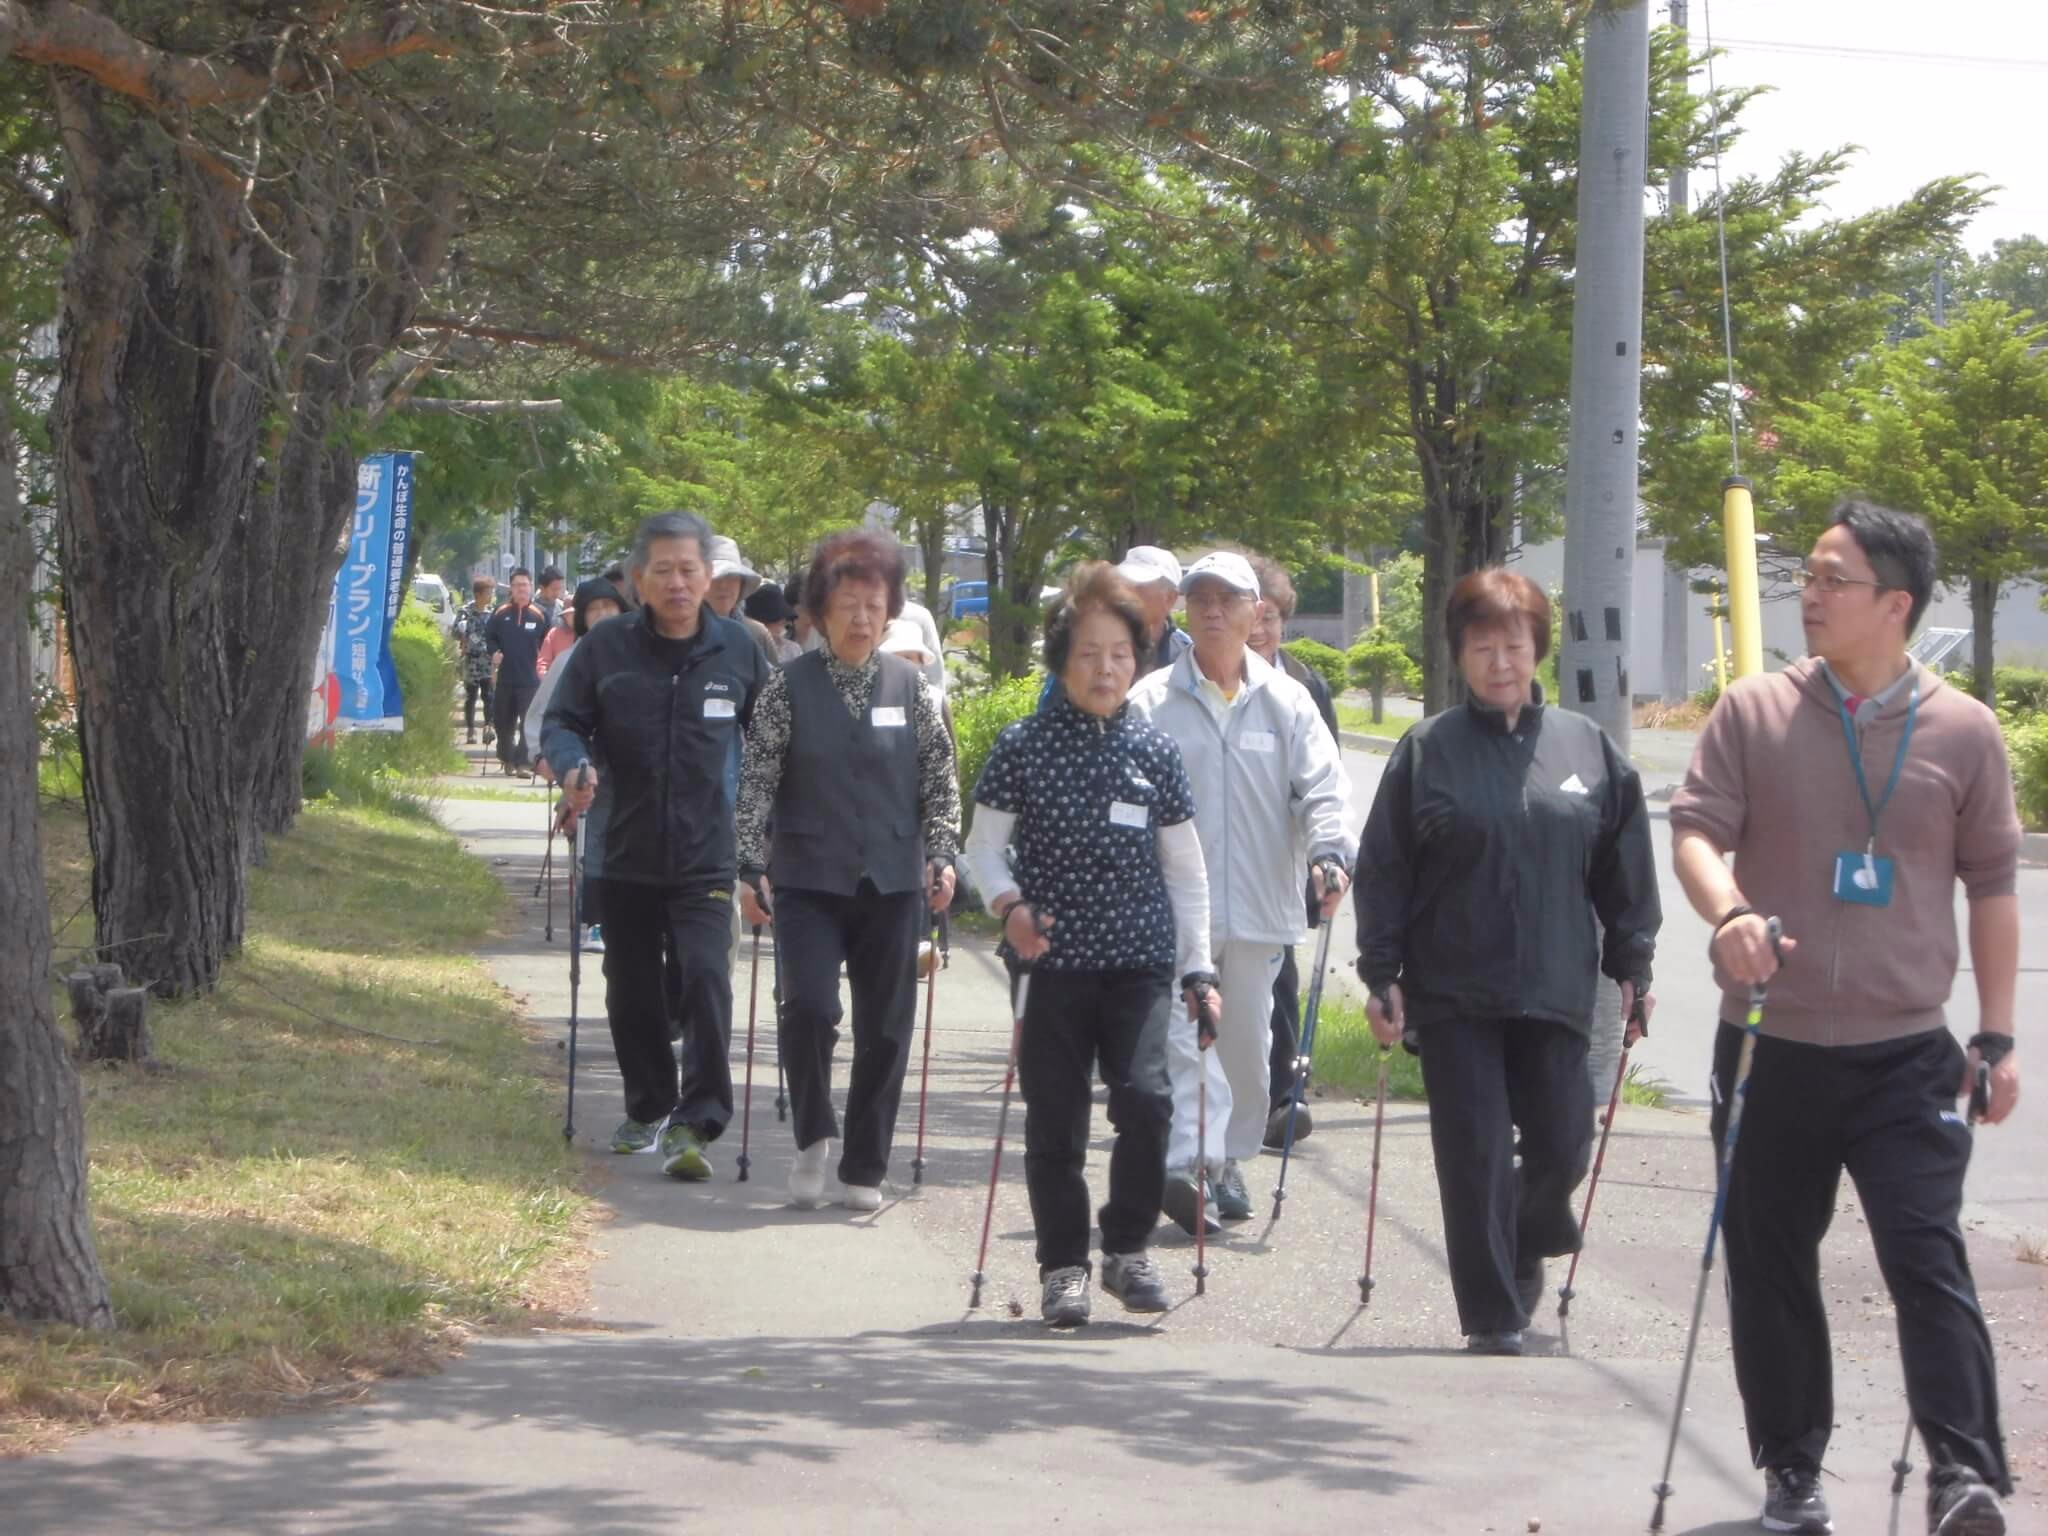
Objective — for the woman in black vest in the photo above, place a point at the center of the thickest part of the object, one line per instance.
(850, 763)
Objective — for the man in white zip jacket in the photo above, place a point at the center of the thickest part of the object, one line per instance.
(1270, 795)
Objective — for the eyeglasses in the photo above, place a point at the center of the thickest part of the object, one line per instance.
(1828, 583)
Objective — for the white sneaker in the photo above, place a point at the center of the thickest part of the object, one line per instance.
(807, 1175)
(860, 1197)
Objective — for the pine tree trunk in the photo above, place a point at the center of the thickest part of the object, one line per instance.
(1983, 650)
(49, 1268)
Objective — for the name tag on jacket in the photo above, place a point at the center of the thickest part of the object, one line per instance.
(1123, 814)
(887, 714)
(1255, 741)
(720, 709)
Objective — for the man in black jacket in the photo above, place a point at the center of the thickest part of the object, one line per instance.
(656, 701)
(1276, 592)
(514, 634)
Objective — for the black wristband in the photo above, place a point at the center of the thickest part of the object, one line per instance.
(1738, 910)
(1205, 978)
(1991, 1046)
(1003, 912)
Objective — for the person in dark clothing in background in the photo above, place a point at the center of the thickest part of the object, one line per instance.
(1108, 903)
(472, 630)
(1276, 592)
(1501, 832)
(1856, 790)
(550, 593)
(850, 760)
(515, 633)
(655, 702)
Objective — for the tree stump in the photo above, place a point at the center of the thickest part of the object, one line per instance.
(112, 1017)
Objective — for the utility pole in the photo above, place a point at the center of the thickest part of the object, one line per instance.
(1606, 403)
(1676, 653)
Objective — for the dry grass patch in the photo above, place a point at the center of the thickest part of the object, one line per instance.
(297, 1208)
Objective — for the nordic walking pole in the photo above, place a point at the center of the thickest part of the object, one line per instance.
(575, 982)
(1565, 1292)
(995, 1169)
(941, 946)
(753, 1012)
(1752, 1025)
(1301, 1059)
(1372, 1196)
(1203, 1040)
(547, 870)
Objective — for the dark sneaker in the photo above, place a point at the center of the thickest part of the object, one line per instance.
(1276, 1127)
(1505, 1343)
(1233, 1200)
(1134, 1280)
(1064, 1301)
(1958, 1504)
(1793, 1502)
(632, 1136)
(1529, 1284)
(682, 1154)
(1179, 1203)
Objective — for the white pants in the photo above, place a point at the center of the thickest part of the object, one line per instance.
(1236, 1066)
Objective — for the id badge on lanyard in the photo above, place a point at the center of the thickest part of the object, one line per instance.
(1865, 879)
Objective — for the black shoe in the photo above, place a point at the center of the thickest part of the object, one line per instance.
(1960, 1504)
(1529, 1284)
(1179, 1204)
(1063, 1302)
(1276, 1127)
(469, 740)
(1507, 1342)
(1134, 1280)
(1793, 1502)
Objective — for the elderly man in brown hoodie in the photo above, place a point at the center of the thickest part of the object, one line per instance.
(1855, 789)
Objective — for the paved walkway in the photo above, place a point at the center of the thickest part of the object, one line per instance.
(751, 1368)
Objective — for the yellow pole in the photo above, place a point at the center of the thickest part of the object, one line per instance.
(1745, 608)
(1375, 579)
(1718, 607)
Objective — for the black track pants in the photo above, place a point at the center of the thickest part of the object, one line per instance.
(1888, 1114)
(1488, 1078)
(1074, 1020)
(695, 925)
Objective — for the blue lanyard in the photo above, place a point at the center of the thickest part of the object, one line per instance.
(1898, 763)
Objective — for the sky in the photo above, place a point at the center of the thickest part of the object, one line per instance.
(1926, 90)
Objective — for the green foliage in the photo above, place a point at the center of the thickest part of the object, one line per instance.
(1952, 424)
(1708, 696)
(2016, 690)
(1402, 614)
(2026, 743)
(1380, 664)
(979, 719)
(1325, 660)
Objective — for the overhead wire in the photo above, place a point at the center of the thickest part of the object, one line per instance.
(1721, 239)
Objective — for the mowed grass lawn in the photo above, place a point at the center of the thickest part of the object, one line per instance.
(295, 1209)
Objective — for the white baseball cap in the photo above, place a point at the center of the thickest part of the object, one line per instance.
(903, 637)
(1144, 563)
(726, 561)
(1223, 565)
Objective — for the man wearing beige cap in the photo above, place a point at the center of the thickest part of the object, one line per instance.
(1156, 574)
(1271, 796)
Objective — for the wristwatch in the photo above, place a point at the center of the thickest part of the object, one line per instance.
(1991, 1046)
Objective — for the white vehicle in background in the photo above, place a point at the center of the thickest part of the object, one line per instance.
(432, 593)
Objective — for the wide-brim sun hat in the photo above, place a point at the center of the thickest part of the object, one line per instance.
(726, 561)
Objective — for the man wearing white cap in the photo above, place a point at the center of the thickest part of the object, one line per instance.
(1270, 795)
(1156, 575)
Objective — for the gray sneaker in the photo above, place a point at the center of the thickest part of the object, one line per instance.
(632, 1136)
(1959, 1503)
(1179, 1203)
(1064, 1301)
(682, 1155)
(1233, 1200)
(1793, 1502)
(1134, 1280)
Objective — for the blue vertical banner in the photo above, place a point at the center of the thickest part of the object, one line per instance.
(367, 592)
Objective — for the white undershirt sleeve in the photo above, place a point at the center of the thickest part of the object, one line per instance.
(987, 858)
(1187, 884)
